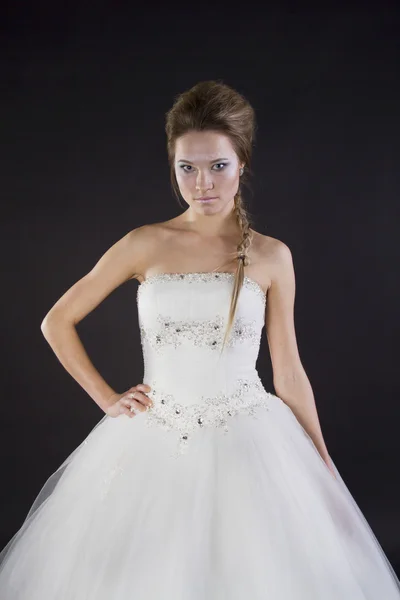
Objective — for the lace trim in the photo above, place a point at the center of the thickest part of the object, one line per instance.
(215, 411)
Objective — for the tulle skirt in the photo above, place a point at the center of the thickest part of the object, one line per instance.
(253, 513)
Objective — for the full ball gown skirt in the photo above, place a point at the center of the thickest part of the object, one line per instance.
(215, 493)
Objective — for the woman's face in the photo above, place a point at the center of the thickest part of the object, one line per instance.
(206, 165)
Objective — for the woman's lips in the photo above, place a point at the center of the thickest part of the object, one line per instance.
(205, 200)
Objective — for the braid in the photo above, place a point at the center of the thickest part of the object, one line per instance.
(244, 224)
(243, 260)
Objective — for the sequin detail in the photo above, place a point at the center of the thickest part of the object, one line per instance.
(215, 411)
(203, 277)
(209, 333)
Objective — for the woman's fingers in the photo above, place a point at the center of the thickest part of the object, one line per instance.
(126, 406)
(142, 386)
(136, 399)
(139, 404)
(140, 397)
(124, 410)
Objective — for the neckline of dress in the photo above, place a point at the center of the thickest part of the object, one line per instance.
(182, 275)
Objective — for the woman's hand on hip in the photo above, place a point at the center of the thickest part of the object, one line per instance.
(134, 398)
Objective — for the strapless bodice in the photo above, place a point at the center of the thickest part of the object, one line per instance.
(183, 318)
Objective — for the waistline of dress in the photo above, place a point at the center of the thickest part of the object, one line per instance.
(210, 410)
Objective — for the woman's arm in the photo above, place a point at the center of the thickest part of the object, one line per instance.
(121, 262)
(289, 377)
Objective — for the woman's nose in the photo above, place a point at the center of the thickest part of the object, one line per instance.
(204, 181)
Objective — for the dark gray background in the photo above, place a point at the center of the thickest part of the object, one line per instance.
(85, 91)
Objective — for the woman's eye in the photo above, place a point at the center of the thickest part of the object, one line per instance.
(184, 167)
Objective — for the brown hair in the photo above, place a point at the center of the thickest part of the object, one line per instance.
(214, 106)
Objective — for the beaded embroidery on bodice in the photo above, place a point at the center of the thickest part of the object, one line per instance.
(184, 316)
(182, 320)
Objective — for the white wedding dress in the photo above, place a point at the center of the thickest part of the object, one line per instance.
(215, 493)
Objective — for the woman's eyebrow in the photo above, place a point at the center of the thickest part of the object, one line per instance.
(211, 161)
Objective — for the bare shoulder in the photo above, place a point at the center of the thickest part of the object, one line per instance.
(274, 250)
(150, 233)
(144, 243)
(271, 257)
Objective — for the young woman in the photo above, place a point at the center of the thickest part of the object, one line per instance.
(197, 483)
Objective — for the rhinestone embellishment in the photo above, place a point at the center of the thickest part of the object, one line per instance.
(203, 277)
(214, 411)
(201, 333)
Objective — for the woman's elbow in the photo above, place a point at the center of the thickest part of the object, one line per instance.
(52, 319)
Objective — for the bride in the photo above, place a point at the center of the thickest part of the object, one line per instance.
(197, 483)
